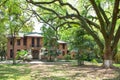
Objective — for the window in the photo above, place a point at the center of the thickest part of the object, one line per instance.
(33, 42)
(63, 46)
(11, 42)
(25, 41)
(18, 49)
(11, 53)
(38, 42)
(18, 42)
(63, 53)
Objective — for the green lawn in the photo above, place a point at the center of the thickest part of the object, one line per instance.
(117, 65)
(57, 71)
(14, 72)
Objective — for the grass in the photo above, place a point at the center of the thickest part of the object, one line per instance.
(53, 78)
(47, 71)
(14, 72)
(117, 65)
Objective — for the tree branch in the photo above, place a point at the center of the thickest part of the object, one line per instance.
(92, 23)
(67, 15)
(23, 22)
(60, 1)
(114, 18)
(81, 19)
(87, 28)
(37, 15)
(98, 13)
(116, 38)
(104, 15)
(50, 2)
(67, 4)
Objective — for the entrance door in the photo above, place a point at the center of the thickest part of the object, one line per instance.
(35, 54)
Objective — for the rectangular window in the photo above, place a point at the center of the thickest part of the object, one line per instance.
(25, 41)
(33, 41)
(63, 53)
(18, 49)
(11, 53)
(63, 46)
(18, 42)
(11, 42)
(38, 42)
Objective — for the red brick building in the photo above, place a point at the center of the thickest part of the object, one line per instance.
(32, 42)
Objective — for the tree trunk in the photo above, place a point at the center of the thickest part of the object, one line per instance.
(107, 58)
(13, 46)
(79, 57)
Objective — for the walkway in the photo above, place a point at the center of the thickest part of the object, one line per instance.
(32, 62)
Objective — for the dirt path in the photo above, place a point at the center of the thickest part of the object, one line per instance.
(59, 71)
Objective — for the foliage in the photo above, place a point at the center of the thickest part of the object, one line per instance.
(79, 39)
(84, 45)
(3, 40)
(67, 57)
(100, 18)
(117, 57)
(50, 42)
(21, 54)
(3, 43)
(14, 19)
(94, 61)
(24, 55)
(3, 54)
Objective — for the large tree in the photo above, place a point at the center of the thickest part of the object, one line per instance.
(95, 16)
(14, 19)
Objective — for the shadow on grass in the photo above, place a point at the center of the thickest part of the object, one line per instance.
(117, 76)
(51, 78)
(94, 69)
(9, 71)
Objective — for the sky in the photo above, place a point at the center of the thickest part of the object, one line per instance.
(37, 26)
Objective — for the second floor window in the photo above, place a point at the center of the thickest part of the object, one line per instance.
(63, 46)
(11, 53)
(33, 42)
(38, 42)
(11, 42)
(25, 41)
(18, 42)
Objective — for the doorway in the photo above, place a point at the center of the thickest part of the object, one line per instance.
(35, 54)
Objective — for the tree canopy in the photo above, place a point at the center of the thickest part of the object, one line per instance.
(100, 18)
(14, 17)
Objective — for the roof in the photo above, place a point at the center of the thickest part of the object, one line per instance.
(59, 41)
(31, 34)
(34, 34)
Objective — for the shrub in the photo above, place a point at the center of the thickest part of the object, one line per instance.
(94, 61)
(117, 57)
(21, 54)
(28, 57)
(24, 55)
(67, 57)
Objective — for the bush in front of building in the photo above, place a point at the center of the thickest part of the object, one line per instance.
(24, 55)
(2, 55)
